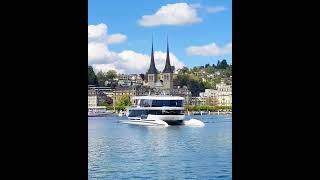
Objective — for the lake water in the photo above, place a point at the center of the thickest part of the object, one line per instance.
(120, 151)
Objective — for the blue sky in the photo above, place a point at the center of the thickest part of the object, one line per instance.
(122, 16)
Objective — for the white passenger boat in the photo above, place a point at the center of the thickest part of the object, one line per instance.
(156, 110)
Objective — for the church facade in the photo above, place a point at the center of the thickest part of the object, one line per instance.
(164, 82)
(160, 80)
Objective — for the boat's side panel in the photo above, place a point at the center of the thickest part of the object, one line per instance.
(156, 108)
(167, 117)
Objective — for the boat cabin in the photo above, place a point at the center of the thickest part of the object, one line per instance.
(157, 105)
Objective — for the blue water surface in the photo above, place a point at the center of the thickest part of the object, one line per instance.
(120, 151)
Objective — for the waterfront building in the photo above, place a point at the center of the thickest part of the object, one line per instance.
(221, 96)
(208, 93)
(130, 91)
(182, 92)
(224, 94)
(92, 98)
(108, 91)
(195, 101)
(129, 80)
(209, 97)
(125, 83)
(101, 93)
(94, 108)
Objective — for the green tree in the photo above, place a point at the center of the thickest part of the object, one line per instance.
(188, 108)
(184, 70)
(228, 71)
(195, 87)
(223, 64)
(110, 75)
(195, 70)
(92, 78)
(120, 108)
(217, 81)
(196, 108)
(123, 101)
(192, 82)
(210, 70)
(182, 79)
(209, 84)
(101, 78)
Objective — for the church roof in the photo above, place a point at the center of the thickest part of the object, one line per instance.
(167, 68)
(152, 68)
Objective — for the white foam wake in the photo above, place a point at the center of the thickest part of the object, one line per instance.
(194, 123)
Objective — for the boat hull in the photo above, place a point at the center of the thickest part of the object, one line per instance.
(169, 119)
(157, 120)
(145, 122)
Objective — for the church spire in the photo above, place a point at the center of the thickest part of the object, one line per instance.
(167, 68)
(152, 68)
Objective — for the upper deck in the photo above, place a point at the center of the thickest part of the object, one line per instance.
(159, 97)
(158, 101)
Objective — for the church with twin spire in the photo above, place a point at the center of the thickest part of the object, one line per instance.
(160, 80)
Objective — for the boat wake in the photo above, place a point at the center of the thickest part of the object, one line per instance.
(194, 123)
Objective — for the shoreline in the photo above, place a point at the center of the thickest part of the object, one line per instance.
(207, 113)
(189, 113)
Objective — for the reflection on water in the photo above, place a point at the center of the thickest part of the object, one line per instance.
(175, 152)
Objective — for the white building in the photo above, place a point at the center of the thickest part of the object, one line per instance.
(208, 97)
(224, 94)
(93, 102)
(209, 93)
(92, 99)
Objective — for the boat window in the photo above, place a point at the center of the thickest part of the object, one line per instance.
(168, 103)
(145, 102)
(172, 112)
(136, 113)
(154, 112)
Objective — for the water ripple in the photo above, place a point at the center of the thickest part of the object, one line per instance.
(117, 151)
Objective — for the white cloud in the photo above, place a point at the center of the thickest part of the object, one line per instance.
(209, 50)
(171, 14)
(133, 62)
(96, 51)
(127, 61)
(215, 9)
(98, 40)
(116, 38)
(106, 67)
(97, 32)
